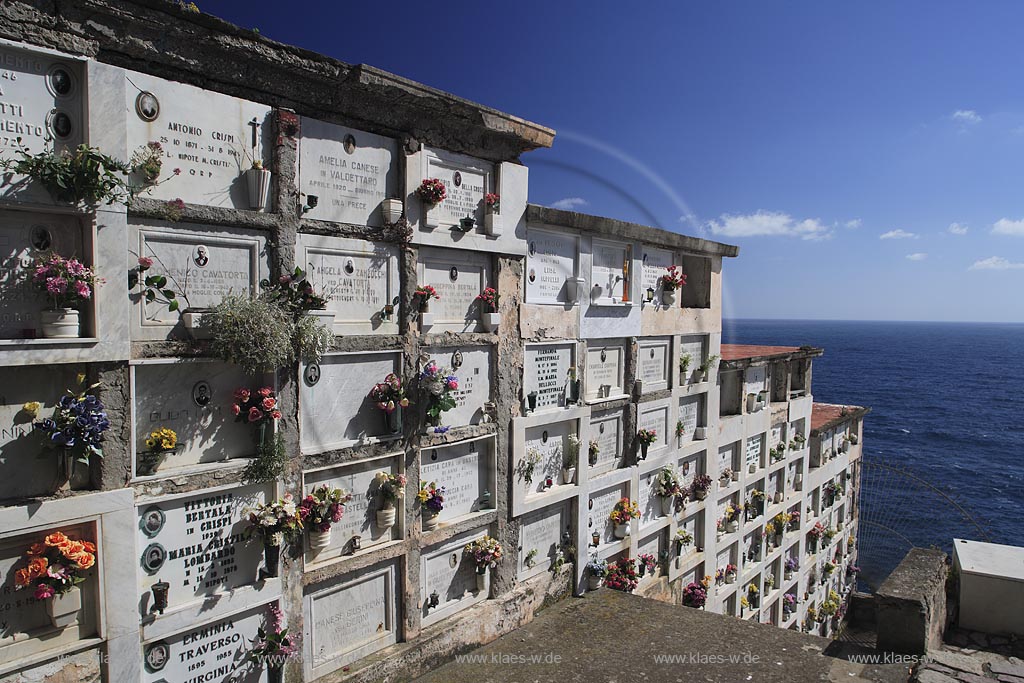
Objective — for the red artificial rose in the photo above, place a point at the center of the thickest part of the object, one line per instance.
(255, 414)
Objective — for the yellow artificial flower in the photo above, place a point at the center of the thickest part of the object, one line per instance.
(32, 408)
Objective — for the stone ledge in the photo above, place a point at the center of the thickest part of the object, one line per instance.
(911, 603)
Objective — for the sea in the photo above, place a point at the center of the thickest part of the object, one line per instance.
(944, 442)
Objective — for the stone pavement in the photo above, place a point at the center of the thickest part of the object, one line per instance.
(972, 657)
(614, 637)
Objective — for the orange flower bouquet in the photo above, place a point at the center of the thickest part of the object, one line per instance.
(56, 565)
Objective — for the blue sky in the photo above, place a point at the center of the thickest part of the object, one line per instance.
(867, 157)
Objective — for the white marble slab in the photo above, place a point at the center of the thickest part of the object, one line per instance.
(466, 470)
(727, 457)
(546, 371)
(208, 135)
(349, 171)
(690, 414)
(599, 506)
(446, 572)
(606, 429)
(541, 538)
(755, 445)
(466, 180)
(655, 264)
(605, 363)
(196, 544)
(350, 620)
(551, 441)
(655, 416)
(474, 373)
(458, 278)
(551, 258)
(653, 358)
(193, 398)
(609, 270)
(335, 411)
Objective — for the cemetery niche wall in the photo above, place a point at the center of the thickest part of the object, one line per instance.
(402, 446)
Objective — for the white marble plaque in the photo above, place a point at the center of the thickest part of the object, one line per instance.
(650, 545)
(724, 558)
(692, 346)
(655, 263)
(27, 467)
(26, 238)
(474, 375)
(359, 279)
(689, 415)
(754, 381)
(196, 545)
(604, 370)
(25, 627)
(551, 259)
(541, 538)
(351, 620)
(194, 399)
(609, 270)
(359, 517)
(606, 429)
(551, 442)
(210, 653)
(599, 507)
(546, 371)
(754, 447)
(447, 573)
(202, 265)
(653, 358)
(467, 180)
(650, 504)
(466, 471)
(776, 436)
(348, 170)
(690, 467)
(41, 101)
(727, 457)
(335, 410)
(207, 135)
(458, 278)
(655, 418)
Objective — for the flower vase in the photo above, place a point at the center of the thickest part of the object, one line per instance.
(393, 421)
(275, 673)
(319, 541)
(593, 582)
(730, 577)
(391, 210)
(386, 517)
(643, 449)
(621, 530)
(430, 520)
(431, 215)
(668, 297)
(777, 498)
(65, 470)
(272, 554)
(60, 323)
(490, 321)
(63, 608)
(481, 580)
(701, 494)
(568, 475)
(787, 575)
(492, 223)
(666, 505)
(258, 183)
(531, 401)
(732, 526)
(572, 391)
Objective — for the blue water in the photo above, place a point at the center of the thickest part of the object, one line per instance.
(947, 417)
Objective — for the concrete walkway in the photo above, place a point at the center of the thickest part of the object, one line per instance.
(609, 636)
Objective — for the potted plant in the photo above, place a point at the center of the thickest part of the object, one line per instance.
(705, 368)
(816, 532)
(390, 488)
(274, 523)
(389, 397)
(81, 176)
(645, 437)
(622, 575)
(75, 430)
(431, 192)
(295, 293)
(673, 279)
(259, 409)
(680, 433)
(257, 182)
(489, 316)
(69, 285)
(422, 296)
(159, 443)
(683, 540)
(529, 465)
(730, 573)
(646, 563)
(273, 647)
(725, 478)
(391, 210)
(794, 520)
(624, 511)
(788, 604)
(439, 385)
(753, 595)
(792, 564)
(55, 569)
(570, 459)
(700, 486)
(492, 214)
(597, 569)
(667, 487)
(593, 450)
(322, 507)
(431, 500)
(757, 500)
(485, 554)
(732, 518)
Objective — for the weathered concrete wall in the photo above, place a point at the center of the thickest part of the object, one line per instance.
(911, 603)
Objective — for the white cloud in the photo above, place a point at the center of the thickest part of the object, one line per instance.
(919, 256)
(897, 235)
(966, 116)
(1007, 226)
(995, 263)
(769, 223)
(855, 223)
(957, 229)
(570, 203)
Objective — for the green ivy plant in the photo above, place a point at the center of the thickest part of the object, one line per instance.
(84, 175)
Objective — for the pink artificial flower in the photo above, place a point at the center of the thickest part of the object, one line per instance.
(255, 414)
(265, 391)
(269, 403)
(452, 384)
(276, 414)
(285, 279)
(177, 171)
(42, 272)
(236, 409)
(43, 591)
(145, 263)
(242, 395)
(404, 403)
(82, 289)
